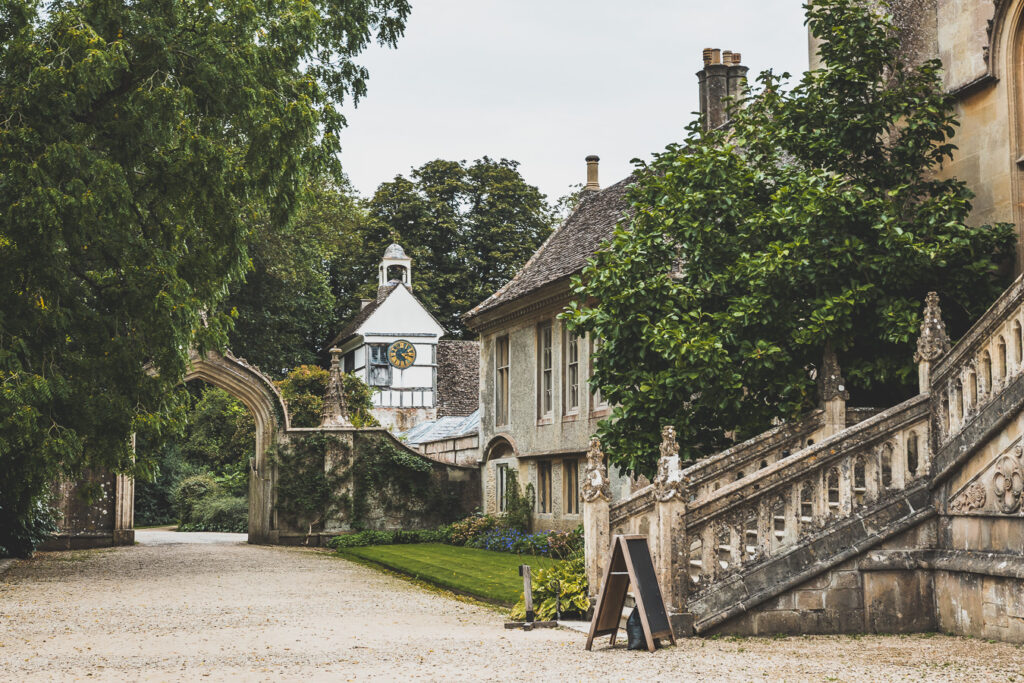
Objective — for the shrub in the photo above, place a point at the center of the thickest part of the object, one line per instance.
(20, 537)
(190, 491)
(364, 538)
(219, 512)
(566, 582)
(465, 530)
(518, 505)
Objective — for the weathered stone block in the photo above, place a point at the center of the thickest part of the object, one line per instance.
(810, 600)
(843, 599)
(846, 579)
(779, 622)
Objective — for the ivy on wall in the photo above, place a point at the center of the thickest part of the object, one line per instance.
(308, 490)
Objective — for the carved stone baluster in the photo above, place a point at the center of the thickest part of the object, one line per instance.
(765, 527)
(898, 462)
(792, 515)
(709, 552)
(872, 474)
(670, 496)
(736, 542)
(596, 492)
(846, 487)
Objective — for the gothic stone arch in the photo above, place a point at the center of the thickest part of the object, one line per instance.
(258, 393)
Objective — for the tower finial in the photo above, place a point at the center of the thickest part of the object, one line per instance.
(395, 257)
(335, 409)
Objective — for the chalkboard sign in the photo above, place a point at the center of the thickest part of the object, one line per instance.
(630, 564)
(648, 590)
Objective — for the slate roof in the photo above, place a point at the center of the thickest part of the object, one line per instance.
(442, 428)
(567, 249)
(352, 326)
(458, 377)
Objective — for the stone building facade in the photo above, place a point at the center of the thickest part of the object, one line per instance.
(537, 412)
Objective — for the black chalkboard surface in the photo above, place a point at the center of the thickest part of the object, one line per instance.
(646, 587)
(628, 565)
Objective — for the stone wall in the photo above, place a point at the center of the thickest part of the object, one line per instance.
(458, 377)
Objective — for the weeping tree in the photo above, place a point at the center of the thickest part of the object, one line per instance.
(814, 220)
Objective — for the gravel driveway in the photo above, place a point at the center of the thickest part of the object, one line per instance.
(165, 610)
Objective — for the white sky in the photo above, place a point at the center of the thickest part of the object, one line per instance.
(547, 82)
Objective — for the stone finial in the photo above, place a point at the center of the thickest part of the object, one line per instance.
(933, 343)
(595, 479)
(335, 410)
(669, 483)
(833, 385)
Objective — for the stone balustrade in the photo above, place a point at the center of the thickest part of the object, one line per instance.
(763, 515)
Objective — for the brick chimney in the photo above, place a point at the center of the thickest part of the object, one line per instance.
(592, 183)
(722, 76)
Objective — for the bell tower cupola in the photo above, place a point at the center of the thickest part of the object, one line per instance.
(395, 266)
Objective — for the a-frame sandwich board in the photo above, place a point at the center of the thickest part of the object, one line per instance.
(630, 564)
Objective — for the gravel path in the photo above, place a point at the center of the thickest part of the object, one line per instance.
(165, 610)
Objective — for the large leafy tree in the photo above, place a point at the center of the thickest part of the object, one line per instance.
(468, 228)
(305, 277)
(139, 143)
(815, 219)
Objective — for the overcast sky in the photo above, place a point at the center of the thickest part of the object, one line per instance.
(547, 82)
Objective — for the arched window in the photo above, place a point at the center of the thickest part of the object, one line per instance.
(764, 463)
(886, 458)
(945, 413)
(1001, 358)
(806, 502)
(912, 459)
(739, 475)
(986, 371)
(972, 383)
(832, 482)
(860, 481)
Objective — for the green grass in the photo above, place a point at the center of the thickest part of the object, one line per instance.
(484, 574)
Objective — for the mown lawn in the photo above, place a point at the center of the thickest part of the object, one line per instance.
(484, 574)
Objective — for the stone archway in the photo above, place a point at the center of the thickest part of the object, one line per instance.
(258, 393)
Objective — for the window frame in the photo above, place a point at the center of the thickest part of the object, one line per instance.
(599, 401)
(545, 370)
(502, 379)
(571, 486)
(501, 484)
(373, 365)
(544, 475)
(570, 343)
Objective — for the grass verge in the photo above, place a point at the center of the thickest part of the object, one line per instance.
(483, 574)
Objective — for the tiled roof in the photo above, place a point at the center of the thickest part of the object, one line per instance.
(567, 249)
(352, 326)
(458, 377)
(443, 428)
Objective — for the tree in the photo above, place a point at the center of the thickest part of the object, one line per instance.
(816, 219)
(304, 388)
(468, 228)
(304, 279)
(140, 144)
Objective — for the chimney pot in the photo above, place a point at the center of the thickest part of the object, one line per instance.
(727, 56)
(592, 183)
(716, 56)
(707, 55)
(737, 58)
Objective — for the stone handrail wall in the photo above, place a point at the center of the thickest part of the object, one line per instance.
(763, 515)
(984, 363)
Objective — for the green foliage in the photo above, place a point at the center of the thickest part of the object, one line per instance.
(216, 437)
(371, 537)
(814, 219)
(482, 573)
(518, 505)
(142, 143)
(395, 479)
(27, 531)
(565, 582)
(304, 389)
(218, 511)
(468, 228)
(465, 530)
(303, 280)
(189, 492)
(309, 478)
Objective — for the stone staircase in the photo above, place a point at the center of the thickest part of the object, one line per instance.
(833, 523)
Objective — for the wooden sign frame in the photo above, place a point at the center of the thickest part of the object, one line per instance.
(619, 574)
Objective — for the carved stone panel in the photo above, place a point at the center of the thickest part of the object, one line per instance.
(997, 490)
